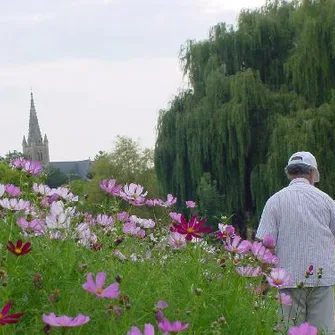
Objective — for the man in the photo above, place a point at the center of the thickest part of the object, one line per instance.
(301, 218)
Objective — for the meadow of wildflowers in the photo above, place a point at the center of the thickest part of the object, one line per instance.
(65, 271)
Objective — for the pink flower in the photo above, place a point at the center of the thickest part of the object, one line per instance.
(148, 330)
(225, 231)
(174, 327)
(177, 240)
(32, 168)
(12, 190)
(110, 187)
(303, 329)
(191, 228)
(238, 245)
(18, 163)
(161, 304)
(170, 201)
(278, 278)
(111, 291)
(105, 220)
(65, 321)
(284, 299)
(269, 242)
(249, 271)
(190, 204)
(123, 216)
(262, 254)
(33, 227)
(175, 216)
(153, 202)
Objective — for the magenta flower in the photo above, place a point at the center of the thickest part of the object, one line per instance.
(249, 271)
(111, 291)
(174, 327)
(269, 242)
(148, 330)
(110, 187)
(304, 329)
(65, 321)
(191, 228)
(190, 204)
(8, 319)
(284, 299)
(278, 278)
(238, 245)
(12, 190)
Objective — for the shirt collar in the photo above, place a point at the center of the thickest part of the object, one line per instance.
(299, 180)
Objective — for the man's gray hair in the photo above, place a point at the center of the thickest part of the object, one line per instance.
(298, 170)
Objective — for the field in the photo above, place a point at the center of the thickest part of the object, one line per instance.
(149, 272)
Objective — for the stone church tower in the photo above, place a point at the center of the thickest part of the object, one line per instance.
(36, 148)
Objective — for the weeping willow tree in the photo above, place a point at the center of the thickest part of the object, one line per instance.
(256, 94)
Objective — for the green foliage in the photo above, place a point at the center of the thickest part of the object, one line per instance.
(9, 175)
(55, 177)
(61, 267)
(127, 163)
(210, 201)
(258, 93)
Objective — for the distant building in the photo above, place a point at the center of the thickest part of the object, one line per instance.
(37, 149)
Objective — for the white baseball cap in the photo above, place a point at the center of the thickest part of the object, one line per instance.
(306, 158)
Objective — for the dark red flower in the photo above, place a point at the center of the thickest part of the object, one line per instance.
(7, 319)
(19, 249)
(190, 228)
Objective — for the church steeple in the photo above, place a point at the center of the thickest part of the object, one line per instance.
(35, 149)
(34, 135)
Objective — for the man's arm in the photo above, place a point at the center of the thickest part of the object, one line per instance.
(268, 224)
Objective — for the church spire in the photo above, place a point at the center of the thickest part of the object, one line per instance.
(34, 135)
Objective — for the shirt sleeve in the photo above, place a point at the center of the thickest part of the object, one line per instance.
(268, 224)
(332, 217)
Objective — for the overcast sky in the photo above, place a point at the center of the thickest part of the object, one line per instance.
(97, 68)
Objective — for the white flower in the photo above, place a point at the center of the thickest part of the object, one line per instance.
(2, 190)
(41, 189)
(14, 204)
(132, 192)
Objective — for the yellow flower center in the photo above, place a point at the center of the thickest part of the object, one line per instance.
(99, 290)
(277, 281)
(190, 230)
(18, 250)
(1, 316)
(235, 249)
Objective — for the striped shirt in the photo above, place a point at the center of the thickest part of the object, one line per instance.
(301, 218)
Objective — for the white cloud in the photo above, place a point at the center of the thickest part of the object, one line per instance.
(82, 105)
(26, 18)
(221, 6)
